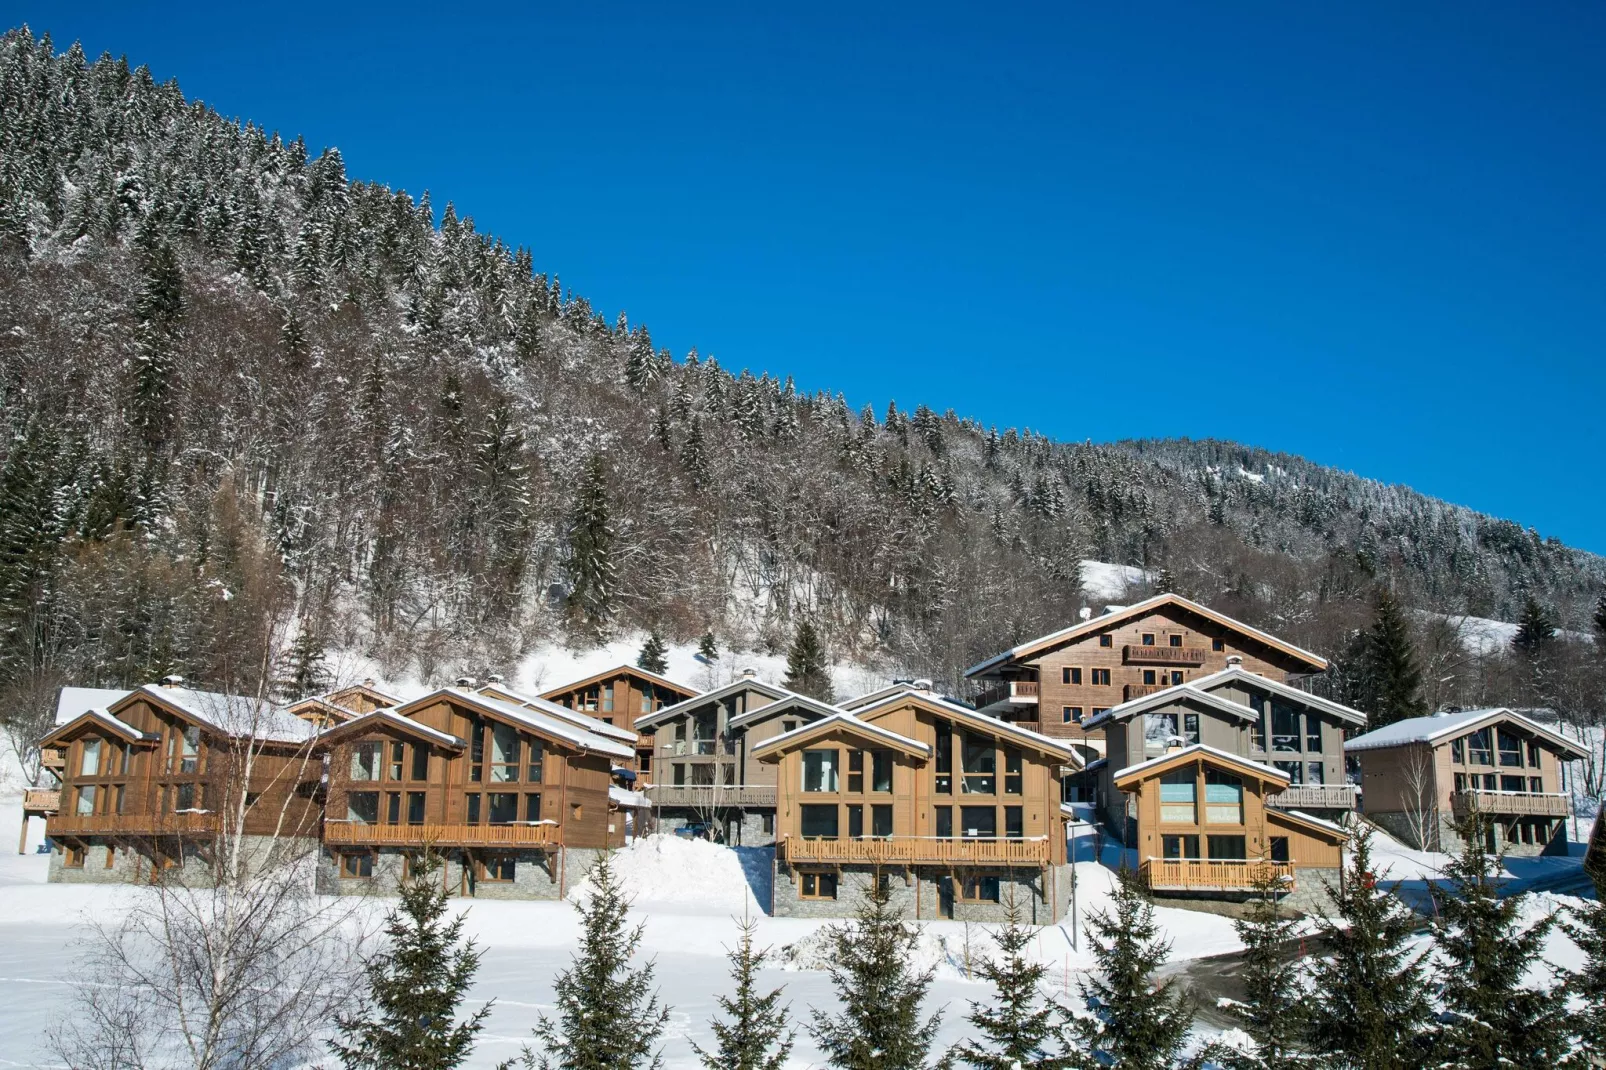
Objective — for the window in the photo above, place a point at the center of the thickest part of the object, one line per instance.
(1533, 756)
(979, 889)
(117, 799)
(1510, 748)
(398, 759)
(1148, 638)
(680, 773)
(472, 814)
(357, 864)
(1295, 771)
(819, 822)
(1160, 731)
(499, 869)
(1488, 781)
(980, 765)
(420, 762)
(945, 822)
(1535, 785)
(1284, 728)
(365, 761)
(1176, 676)
(1101, 677)
(881, 820)
(89, 763)
(1012, 771)
(362, 807)
(1190, 728)
(1174, 640)
(1070, 675)
(1180, 846)
(1481, 747)
(86, 800)
(819, 886)
(72, 857)
(1513, 783)
(1014, 823)
(1313, 734)
(1106, 640)
(881, 770)
(1460, 782)
(1072, 714)
(1226, 848)
(944, 771)
(504, 754)
(504, 807)
(393, 808)
(607, 698)
(188, 741)
(1100, 709)
(1279, 849)
(855, 821)
(1177, 798)
(1315, 773)
(769, 823)
(123, 752)
(1218, 645)
(979, 822)
(788, 726)
(476, 749)
(856, 772)
(1458, 751)
(1224, 798)
(415, 808)
(184, 797)
(819, 770)
(1148, 677)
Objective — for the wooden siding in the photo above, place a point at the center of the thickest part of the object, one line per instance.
(1389, 774)
(617, 698)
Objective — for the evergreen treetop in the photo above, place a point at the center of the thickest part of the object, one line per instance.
(1587, 929)
(1535, 630)
(1392, 674)
(754, 1034)
(708, 648)
(1019, 1029)
(590, 564)
(806, 670)
(1274, 1010)
(653, 656)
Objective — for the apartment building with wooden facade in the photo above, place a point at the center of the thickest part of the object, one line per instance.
(1058, 683)
(517, 800)
(958, 811)
(619, 695)
(1421, 777)
(157, 778)
(699, 758)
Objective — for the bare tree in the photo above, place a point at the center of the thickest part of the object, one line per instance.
(28, 706)
(1418, 790)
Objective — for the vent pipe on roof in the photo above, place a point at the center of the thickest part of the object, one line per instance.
(173, 680)
(465, 682)
(494, 678)
(1235, 661)
(369, 681)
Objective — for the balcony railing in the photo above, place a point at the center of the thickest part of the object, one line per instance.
(41, 800)
(1010, 692)
(1314, 796)
(1132, 691)
(711, 796)
(53, 758)
(163, 824)
(1516, 803)
(1163, 655)
(692, 748)
(358, 834)
(1212, 875)
(918, 850)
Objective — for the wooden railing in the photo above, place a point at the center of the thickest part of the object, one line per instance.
(1212, 875)
(164, 824)
(692, 748)
(53, 758)
(1022, 691)
(41, 800)
(914, 850)
(358, 834)
(1517, 803)
(1132, 691)
(1314, 796)
(711, 796)
(1163, 655)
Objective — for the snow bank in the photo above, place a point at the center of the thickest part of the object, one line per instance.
(669, 870)
(1104, 582)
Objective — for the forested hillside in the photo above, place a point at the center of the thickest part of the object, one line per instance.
(243, 390)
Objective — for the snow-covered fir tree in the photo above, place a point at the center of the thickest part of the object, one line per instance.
(1274, 1008)
(807, 671)
(654, 655)
(754, 1033)
(1391, 687)
(591, 571)
(1020, 1028)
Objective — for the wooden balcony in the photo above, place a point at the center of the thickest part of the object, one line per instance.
(163, 824)
(1132, 691)
(358, 834)
(37, 801)
(711, 796)
(1512, 803)
(1314, 797)
(695, 748)
(1192, 656)
(1008, 693)
(917, 851)
(53, 758)
(1211, 875)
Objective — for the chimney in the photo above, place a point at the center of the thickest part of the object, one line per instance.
(494, 678)
(1085, 613)
(749, 673)
(1235, 661)
(369, 681)
(173, 680)
(465, 682)
(922, 685)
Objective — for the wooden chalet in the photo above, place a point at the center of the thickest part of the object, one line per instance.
(620, 695)
(959, 810)
(1422, 776)
(342, 704)
(1059, 682)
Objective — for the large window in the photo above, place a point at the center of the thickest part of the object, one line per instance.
(1533, 755)
(881, 770)
(1160, 732)
(398, 760)
(1226, 848)
(1279, 849)
(980, 765)
(532, 807)
(979, 822)
(820, 770)
(1180, 846)
(944, 759)
(534, 755)
(818, 886)
(881, 820)
(415, 808)
(365, 760)
(1510, 748)
(86, 800)
(1224, 798)
(362, 807)
(1313, 733)
(504, 807)
(1014, 823)
(1177, 798)
(1458, 751)
(979, 889)
(476, 749)
(356, 864)
(89, 764)
(1513, 783)
(1284, 728)
(819, 822)
(1012, 771)
(1295, 771)
(1481, 746)
(1190, 728)
(505, 754)
(855, 821)
(420, 762)
(855, 772)
(945, 822)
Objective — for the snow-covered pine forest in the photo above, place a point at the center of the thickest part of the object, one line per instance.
(241, 387)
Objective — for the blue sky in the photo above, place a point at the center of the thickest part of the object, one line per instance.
(1369, 234)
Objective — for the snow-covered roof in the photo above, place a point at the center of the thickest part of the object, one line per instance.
(1058, 747)
(554, 709)
(790, 701)
(735, 687)
(367, 687)
(102, 719)
(619, 670)
(1199, 750)
(1439, 726)
(387, 716)
(558, 728)
(1308, 819)
(1205, 689)
(1138, 609)
(74, 701)
(1237, 674)
(240, 716)
(841, 719)
(1174, 693)
(626, 798)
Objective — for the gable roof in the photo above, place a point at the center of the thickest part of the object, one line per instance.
(839, 720)
(1174, 693)
(99, 719)
(620, 670)
(535, 720)
(1440, 726)
(73, 702)
(381, 697)
(318, 704)
(503, 693)
(1311, 824)
(1199, 750)
(745, 683)
(933, 704)
(1204, 690)
(1237, 674)
(363, 721)
(1138, 609)
(791, 701)
(239, 716)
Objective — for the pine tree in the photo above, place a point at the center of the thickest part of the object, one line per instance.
(608, 1015)
(754, 1034)
(1393, 677)
(590, 564)
(879, 1026)
(1137, 1024)
(1368, 1005)
(652, 656)
(1599, 620)
(408, 1017)
(1492, 1020)
(1587, 929)
(708, 648)
(806, 669)
(1535, 630)
(304, 673)
(1019, 1030)
(1273, 1011)
(159, 308)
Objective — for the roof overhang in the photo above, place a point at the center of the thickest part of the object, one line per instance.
(1023, 737)
(616, 671)
(1313, 826)
(773, 748)
(365, 722)
(1199, 752)
(1183, 693)
(735, 687)
(1569, 750)
(99, 720)
(792, 701)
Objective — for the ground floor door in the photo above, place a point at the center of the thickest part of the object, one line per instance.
(945, 897)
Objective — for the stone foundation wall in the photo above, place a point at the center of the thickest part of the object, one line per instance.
(537, 874)
(132, 864)
(920, 894)
(749, 828)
